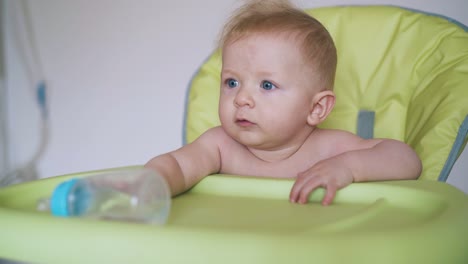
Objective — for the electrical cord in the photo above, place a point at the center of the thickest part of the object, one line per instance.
(24, 38)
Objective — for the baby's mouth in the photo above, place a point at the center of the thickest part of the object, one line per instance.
(244, 122)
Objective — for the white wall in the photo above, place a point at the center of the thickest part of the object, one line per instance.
(118, 72)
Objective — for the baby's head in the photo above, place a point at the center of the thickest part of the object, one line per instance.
(281, 18)
(277, 75)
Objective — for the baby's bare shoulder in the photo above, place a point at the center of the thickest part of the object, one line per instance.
(215, 136)
(335, 134)
(341, 140)
(333, 141)
(228, 149)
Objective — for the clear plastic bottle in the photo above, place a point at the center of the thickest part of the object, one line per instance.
(139, 195)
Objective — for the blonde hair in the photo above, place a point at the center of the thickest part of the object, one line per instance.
(280, 16)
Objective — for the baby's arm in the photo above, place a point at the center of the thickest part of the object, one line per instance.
(387, 159)
(360, 160)
(184, 167)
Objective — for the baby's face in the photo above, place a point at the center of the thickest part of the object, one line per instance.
(266, 91)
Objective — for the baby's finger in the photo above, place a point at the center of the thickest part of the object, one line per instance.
(307, 188)
(296, 188)
(329, 195)
(294, 194)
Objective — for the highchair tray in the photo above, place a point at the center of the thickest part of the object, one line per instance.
(233, 219)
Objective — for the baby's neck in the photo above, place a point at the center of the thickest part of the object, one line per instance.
(272, 156)
(280, 153)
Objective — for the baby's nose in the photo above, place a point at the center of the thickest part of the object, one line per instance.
(244, 98)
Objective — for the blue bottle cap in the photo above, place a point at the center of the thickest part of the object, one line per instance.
(59, 199)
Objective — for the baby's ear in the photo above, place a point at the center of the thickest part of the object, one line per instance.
(322, 104)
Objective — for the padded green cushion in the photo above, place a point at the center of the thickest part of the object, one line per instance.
(410, 68)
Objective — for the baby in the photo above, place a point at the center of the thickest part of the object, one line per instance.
(278, 69)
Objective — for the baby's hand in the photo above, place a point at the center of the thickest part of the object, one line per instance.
(330, 174)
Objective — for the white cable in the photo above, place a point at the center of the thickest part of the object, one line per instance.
(25, 41)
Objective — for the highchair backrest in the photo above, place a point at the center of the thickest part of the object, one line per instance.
(401, 74)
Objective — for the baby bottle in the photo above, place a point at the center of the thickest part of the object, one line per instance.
(139, 195)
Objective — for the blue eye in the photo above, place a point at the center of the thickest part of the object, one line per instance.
(232, 83)
(268, 85)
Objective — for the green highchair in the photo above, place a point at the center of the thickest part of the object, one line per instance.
(401, 74)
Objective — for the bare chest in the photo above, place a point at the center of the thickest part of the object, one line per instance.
(237, 160)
